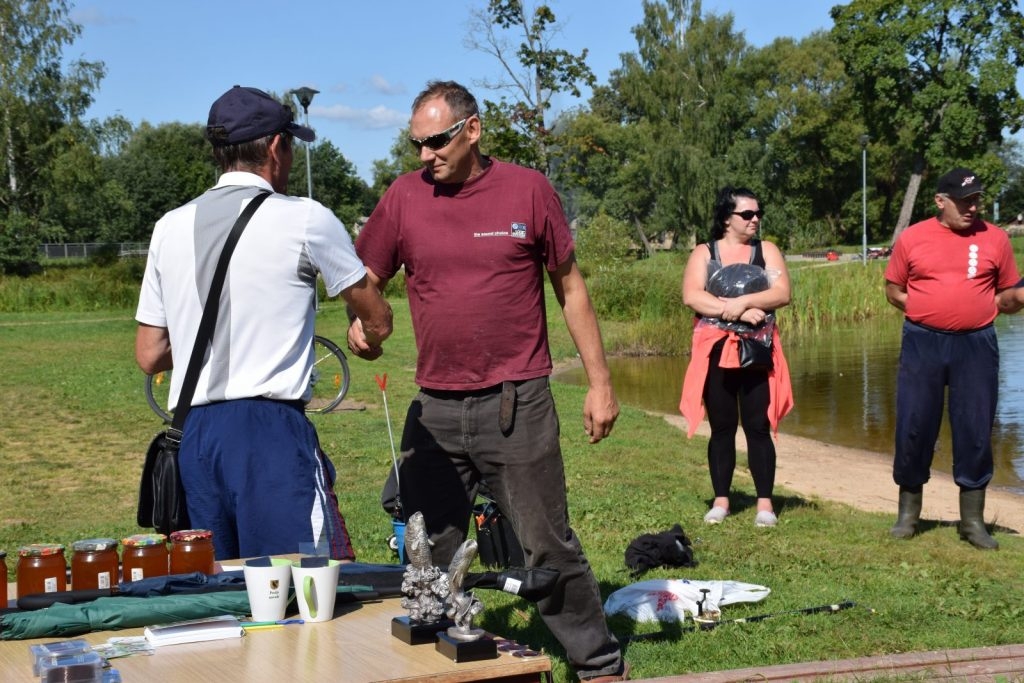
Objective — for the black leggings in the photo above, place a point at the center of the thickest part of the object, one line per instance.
(729, 395)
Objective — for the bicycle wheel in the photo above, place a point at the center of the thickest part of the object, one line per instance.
(158, 389)
(330, 377)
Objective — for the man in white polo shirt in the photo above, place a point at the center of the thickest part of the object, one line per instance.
(251, 464)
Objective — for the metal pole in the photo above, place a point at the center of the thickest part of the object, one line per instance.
(309, 166)
(304, 96)
(864, 197)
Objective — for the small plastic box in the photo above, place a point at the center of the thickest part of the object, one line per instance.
(80, 668)
(48, 651)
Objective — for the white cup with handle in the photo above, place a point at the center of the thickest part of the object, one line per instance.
(267, 587)
(316, 589)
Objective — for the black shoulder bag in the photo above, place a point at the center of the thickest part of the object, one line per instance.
(161, 496)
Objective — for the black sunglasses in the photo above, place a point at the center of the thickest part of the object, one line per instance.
(439, 140)
(749, 214)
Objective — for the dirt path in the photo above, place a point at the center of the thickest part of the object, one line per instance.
(863, 479)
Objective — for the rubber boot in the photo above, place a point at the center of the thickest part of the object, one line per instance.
(909, 514)
(972, 520)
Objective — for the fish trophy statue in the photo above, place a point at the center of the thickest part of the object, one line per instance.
(425, 589)
(462, 642)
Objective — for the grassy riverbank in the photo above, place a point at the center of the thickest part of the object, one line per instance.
(74, 427)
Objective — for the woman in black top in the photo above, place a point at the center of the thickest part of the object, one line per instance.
(735, 395)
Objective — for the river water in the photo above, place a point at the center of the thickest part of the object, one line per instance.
(844, 387)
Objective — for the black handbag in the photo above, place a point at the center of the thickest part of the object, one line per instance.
(755, 354)
(162, 504)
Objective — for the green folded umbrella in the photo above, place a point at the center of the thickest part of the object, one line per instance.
(111, 614)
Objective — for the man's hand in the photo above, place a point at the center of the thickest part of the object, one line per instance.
(1010, 300)
(600, 410)
(358, 345)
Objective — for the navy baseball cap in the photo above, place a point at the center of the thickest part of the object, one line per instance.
(960, 183)
(244, 114)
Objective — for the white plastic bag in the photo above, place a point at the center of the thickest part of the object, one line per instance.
(674, 599)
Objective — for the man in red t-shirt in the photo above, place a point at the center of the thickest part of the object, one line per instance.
(945, 274)
(475, 236)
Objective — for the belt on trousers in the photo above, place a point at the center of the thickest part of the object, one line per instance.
(507, 409)
(935, 329)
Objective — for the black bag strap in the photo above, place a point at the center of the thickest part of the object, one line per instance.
(209, 319)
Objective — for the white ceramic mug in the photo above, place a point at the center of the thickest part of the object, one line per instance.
(316, 589)
(267, 588)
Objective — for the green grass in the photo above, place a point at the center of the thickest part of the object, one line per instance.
(75, 425)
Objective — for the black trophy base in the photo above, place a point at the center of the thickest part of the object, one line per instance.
(466, 650)
(418, 633)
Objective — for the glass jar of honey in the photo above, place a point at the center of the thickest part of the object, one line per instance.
(94, 564)
(192, 551)
(41, 569)
(143, 556)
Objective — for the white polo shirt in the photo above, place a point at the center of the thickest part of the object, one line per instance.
(262, 345)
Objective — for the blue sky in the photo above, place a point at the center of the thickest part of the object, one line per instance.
(168, 61)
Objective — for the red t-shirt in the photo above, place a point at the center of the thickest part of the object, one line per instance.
(474, 257)
(952, 276)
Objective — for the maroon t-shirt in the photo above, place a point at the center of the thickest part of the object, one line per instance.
(474, 256)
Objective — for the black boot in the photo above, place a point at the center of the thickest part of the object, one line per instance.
(909, 513)
(972, 520)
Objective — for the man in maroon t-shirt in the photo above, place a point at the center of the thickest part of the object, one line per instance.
(475, 236)
(945, 274)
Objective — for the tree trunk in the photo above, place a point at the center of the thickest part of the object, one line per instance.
(913, 186)
(12, 177)
(643, 238)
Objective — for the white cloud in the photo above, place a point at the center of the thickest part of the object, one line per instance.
(375, 118)
(381, 85)
(94, 16)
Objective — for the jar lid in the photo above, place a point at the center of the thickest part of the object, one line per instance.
(144, 539)
(91, 545)
(187, 535)
(41, 549)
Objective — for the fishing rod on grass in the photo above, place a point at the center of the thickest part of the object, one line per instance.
(706, 623)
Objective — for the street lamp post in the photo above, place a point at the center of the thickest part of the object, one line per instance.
(305, 97)
(864, 195)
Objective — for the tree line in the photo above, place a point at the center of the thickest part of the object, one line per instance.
(914, 86)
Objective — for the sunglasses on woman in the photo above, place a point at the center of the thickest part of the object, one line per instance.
(438, 140)
(749, 214)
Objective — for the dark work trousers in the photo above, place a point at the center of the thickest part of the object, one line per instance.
(968, 363)
(732, 395)
(453, 439)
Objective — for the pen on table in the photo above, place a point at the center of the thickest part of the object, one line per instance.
(282, 622)
(265, 627)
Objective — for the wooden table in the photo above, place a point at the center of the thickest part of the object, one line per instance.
(356, 646)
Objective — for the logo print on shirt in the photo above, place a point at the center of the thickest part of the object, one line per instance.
(972, 261)
(519, 230)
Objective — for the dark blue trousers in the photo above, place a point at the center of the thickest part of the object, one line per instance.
(930, 361)
(255, 475)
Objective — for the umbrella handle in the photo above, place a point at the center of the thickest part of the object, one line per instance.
(40, 600)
